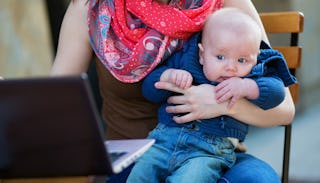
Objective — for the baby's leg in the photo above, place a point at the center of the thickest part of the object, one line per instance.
(199, 169)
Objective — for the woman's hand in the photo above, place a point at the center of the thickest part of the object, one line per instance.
(197, 101)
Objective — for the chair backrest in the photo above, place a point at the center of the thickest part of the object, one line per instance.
(290, 23)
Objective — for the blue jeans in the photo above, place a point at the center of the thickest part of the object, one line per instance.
(247, 169)
(183, 154)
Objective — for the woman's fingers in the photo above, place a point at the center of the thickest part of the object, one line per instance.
(181, 99)
(179, 109)
(169, 86)
(184, 118)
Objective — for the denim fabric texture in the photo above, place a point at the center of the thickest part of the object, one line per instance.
(247, 169)
(183, 154)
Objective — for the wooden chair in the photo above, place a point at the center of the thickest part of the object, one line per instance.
(290, 23)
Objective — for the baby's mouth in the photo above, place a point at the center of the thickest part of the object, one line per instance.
(222, 78)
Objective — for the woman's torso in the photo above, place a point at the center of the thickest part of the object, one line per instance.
(124, 109)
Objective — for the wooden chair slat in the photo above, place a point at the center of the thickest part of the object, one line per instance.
(294, 90)
(282, 22)
(292, 54)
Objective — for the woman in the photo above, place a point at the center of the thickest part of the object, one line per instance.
(126, 112)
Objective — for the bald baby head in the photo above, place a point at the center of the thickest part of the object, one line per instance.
(231, 20)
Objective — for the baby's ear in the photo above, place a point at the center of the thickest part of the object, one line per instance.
(201, 50)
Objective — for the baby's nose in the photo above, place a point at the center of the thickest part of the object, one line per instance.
(231, 65)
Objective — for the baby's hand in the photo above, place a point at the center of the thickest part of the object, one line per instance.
(232, 89)
(181, 78)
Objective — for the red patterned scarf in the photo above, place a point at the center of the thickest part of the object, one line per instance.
(131, 37)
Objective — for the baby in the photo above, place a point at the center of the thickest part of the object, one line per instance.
(227, 57)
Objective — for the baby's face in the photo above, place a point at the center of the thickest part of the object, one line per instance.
(227, 55)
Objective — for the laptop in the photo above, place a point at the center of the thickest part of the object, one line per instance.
(49, 127)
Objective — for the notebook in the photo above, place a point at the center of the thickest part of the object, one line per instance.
(49, 126)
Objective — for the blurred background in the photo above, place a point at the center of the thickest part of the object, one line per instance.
(28, 38)
(305, 143)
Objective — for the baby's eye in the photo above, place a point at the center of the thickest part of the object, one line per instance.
(220, 57)
(242, 60)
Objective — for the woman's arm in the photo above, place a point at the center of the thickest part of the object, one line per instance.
(199, 103)
(74, 51)
(249, 113)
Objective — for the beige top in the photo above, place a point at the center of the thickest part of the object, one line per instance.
(126, 112)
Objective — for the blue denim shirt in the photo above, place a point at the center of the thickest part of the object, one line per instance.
(271, 75)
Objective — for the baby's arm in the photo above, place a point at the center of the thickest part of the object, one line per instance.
(180, 78)
(271, 92)
(235, 88)
(266, 92)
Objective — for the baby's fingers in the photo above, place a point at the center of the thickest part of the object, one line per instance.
(223, 97)
(187, 81)
(232, 101)
(219, 87)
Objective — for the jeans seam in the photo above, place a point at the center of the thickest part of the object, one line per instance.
(223, 180)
